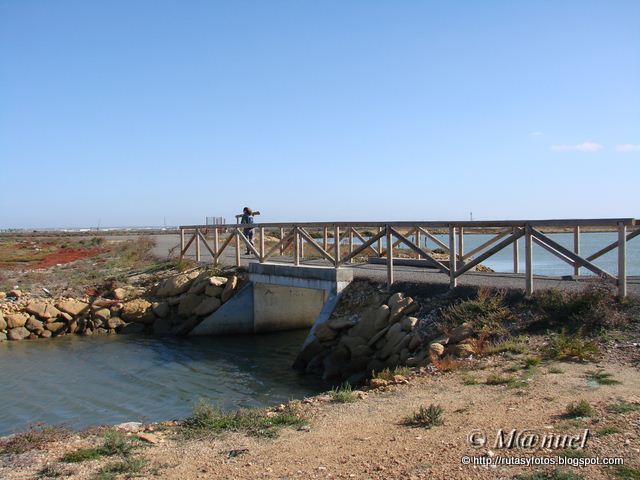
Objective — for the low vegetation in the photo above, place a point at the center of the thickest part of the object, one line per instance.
(602, 378)
(128, 467)
(208, 420)
(623, 407)
(388, 374)
(343, 394)
(426, 417)
(579, 409)
(114, 443)
(603, 432)
(571, 347)
(487, 313)
(36, 437)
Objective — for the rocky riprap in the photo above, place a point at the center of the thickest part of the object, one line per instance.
(174, 306)
(370, 331)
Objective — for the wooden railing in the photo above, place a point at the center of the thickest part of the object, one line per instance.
(328, 239)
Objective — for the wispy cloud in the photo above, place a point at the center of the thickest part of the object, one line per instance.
(535, 134)
(580, 147)
(628, 147)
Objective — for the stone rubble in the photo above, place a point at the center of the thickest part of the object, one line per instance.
(173, 307)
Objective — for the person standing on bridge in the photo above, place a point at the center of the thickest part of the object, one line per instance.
(247, 218)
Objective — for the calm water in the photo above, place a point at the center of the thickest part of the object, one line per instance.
(83, 381)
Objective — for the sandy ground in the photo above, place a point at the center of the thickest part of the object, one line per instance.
(367, 439)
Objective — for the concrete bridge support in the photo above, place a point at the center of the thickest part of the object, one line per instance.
(278, 297)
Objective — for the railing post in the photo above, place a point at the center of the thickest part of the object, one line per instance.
(296, 247)
(380, 243)
(261, 244)
(516, 254)
(528, 260)
(418, 239)
(389, 257)
(181, 243)
(281, 237)
(350, 243)
(237, 233)
(622, 260)
(452, 257)
(336, 245)
(461, 244)
(197, 245)
(325, 237)
(576, 248)
(216, 245)
(301, 246)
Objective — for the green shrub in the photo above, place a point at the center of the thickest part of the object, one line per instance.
(209, 420)
(574, 347)
(623, 407)
(128, 467)
(486, 313)
(343, 394)
(602, 378)
(426, 417)
(603, 432)
(579, 409)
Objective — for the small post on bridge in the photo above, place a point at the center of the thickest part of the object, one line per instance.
(528, 260)
(237, 232)
(281, 237)
(216, 245)
(389, 258)
(516, 254)
(336, 245)
(350, 243)
(622, 260)
(576, 248)
(197, 235)
(296, 247)
(452, 257)
(181, 243)
(261, 244)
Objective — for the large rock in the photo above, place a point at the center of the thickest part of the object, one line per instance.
(461, 332)
(366, 327)
(55, 327)
(3, 322)
(3, 336)
(460, 350)
(436, 349)
(382, 317)
(199, 286)
(72, 307)
(418, 360)
(186, 326)
(45, 334)
(133, 327)
(324, 333)
(114, 322)
(34, 325)
(395, 344)
(415, 342)
(229, 288)
(162, 326)
(402, 307)
(42, 310)
(207, 306)
(352, 343)
(189, 303)
(138, 310)
(334, 362)
(15, 320)
(338, 323)
(103, 314)
(408, 323)
(213, 290)
(218, 281)
(161, 309)
(119, 293)
(174, 286)
(18, 333)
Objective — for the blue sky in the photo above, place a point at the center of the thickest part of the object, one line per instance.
(130, 112)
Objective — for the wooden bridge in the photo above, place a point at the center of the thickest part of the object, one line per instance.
(339, 244)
